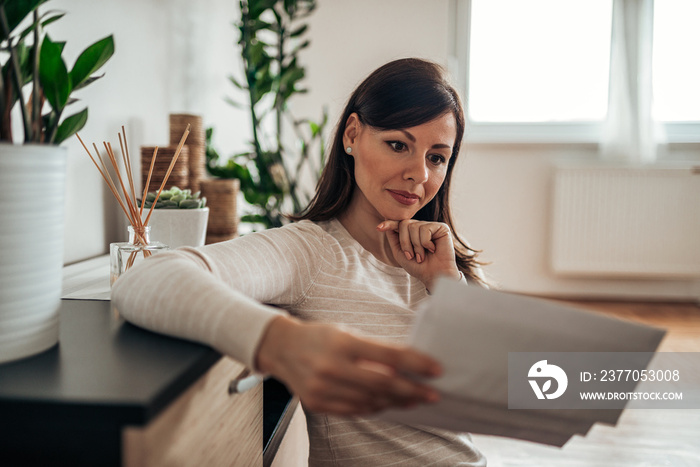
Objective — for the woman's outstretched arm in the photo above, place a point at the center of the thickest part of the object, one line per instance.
(213, 296)
(178, 294)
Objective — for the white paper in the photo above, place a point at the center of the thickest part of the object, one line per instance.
(470, 330)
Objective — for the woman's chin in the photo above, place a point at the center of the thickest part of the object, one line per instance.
(399, 214)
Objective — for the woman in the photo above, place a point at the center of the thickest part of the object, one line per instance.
(351, 271)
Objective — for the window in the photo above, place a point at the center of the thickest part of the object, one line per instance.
(676, 68)
(539, 60)
(544, 70)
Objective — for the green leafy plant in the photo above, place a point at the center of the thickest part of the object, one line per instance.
(175, 198)
(271, 35)
(39, 64)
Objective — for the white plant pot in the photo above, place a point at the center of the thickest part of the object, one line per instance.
(179, 227)
(32, 197)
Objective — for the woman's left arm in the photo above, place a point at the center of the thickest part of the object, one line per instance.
(424, 249)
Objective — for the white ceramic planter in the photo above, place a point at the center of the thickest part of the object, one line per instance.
(179, 227)
(32, 197)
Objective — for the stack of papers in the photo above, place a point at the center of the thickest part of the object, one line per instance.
(472, 331)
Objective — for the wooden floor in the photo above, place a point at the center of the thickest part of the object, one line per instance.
(642, 438)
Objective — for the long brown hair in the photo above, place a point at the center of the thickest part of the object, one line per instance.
(401, 94)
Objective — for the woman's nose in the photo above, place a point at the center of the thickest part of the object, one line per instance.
(417, 169)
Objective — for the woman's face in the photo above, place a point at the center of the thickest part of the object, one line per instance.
(399, 171)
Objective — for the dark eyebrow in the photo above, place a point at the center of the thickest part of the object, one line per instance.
(409, 135)
(434, 146)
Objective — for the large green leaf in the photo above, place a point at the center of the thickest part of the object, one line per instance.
(70, 126)
(43, 21)
(16, 11)
(91, 60)
(53, 74)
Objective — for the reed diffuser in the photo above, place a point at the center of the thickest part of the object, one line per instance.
(124, 255)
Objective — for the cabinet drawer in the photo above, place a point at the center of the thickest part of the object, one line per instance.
(204, 426)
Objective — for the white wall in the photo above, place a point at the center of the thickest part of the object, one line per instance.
(352, 38)
(503, 205)
(501, 195)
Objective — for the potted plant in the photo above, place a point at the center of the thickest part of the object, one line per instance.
(35, 80)
(271, 37)
(179, 217)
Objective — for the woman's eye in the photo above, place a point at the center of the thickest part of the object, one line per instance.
(397, 146)
(436, 159)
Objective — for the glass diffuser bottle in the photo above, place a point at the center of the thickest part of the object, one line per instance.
(124, 255)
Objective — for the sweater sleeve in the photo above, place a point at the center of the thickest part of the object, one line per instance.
(216, 294)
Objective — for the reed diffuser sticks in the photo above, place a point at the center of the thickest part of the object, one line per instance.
(124, 190)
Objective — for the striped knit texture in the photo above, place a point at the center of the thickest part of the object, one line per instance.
(318, 272)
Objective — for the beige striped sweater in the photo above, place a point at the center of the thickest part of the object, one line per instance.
(318, 272)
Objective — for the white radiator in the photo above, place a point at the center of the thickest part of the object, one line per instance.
(626, 222)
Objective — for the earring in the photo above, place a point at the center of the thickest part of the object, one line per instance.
(348, 150)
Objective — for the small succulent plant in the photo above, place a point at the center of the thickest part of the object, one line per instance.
(175, 198)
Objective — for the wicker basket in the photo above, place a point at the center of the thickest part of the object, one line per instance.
(179, 176)
(196, 144)
(221, 197)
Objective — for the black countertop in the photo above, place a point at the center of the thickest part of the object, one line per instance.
(104, 374)
(103, 366)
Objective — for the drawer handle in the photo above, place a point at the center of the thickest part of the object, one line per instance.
(244, 382)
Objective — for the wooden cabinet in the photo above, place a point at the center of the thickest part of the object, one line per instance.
(112, 394)
(205, 426)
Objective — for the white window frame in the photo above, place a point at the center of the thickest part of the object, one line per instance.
(526, 132)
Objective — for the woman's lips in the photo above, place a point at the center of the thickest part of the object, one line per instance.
(404, 197)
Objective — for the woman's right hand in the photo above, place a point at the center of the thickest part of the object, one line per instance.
(335, 372)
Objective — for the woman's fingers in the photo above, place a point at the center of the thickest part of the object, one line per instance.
(340, 390)
(368, 386)
(383, 369)
(425, 237)
(399, 242)
(394, 242)
(394, 388)
(410, 241)
(415, 237)
(336, 372)
(371, 390)
(402, 359)
(424, 249)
